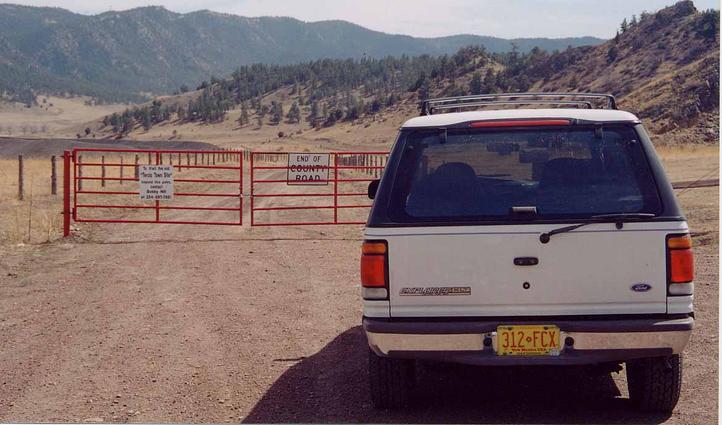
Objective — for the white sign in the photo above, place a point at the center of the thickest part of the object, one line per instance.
(156, 182)
(308, 168)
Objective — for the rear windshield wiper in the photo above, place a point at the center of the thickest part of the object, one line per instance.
(618, 219)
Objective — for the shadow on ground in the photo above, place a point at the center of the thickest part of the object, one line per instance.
(331, 386)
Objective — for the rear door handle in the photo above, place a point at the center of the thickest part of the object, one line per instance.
(526, 261)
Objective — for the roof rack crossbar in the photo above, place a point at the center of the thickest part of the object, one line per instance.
(429, 105)
(586, 104)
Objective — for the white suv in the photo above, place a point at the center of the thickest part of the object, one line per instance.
(526, 237)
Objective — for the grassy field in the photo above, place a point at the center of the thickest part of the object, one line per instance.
(37, 218)
(51, 117)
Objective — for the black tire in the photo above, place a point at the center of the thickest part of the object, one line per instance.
(654, 383)
(390, 381)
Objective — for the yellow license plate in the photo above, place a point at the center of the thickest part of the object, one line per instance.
(527, 340)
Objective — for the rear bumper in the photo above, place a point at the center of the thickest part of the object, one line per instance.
(474, 342)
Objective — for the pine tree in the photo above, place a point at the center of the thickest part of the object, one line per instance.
(276, 112)
(145, 119)
(294, 114)
(115, 122)
(424, 91)
(490, 81)
(243, 117)
(612, 54)
(127, 125)
(313, 115)
(475, 86)
(624, 26)
(352, 108)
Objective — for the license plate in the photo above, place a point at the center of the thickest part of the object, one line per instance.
(527, 340)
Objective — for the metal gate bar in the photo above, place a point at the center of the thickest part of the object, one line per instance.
(156, 157)
(369, 164)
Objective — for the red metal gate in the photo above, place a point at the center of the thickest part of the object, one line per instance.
(203, 180)
(329, 188)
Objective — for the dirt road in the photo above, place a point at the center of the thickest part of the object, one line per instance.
(208, 324)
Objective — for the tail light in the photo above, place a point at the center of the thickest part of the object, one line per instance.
(374, 269)
(680, 264)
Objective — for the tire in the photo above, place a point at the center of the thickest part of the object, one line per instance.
(390, 381)
(654, 383)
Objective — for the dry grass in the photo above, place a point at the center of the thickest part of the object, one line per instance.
(37, 218)
(690, 162)
(51, 117)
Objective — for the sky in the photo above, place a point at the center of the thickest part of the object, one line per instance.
(420, 18)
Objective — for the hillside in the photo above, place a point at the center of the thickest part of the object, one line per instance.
(122, 55)
(664, 67)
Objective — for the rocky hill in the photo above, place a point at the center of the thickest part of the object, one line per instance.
(664, 67)
(124, 55)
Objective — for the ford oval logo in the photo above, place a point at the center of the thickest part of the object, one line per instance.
(641, 287)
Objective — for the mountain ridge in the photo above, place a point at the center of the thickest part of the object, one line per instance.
(663, 66)
(119, 55)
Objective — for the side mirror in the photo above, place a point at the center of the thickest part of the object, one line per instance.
(373, 187)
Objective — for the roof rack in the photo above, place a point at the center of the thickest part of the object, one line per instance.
(429, 106)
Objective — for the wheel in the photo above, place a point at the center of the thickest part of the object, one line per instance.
(654, 383)
(390, 381)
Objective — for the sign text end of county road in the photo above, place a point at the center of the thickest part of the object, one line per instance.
(308, 169)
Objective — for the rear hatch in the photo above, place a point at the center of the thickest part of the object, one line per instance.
(469, 206)
(470, 271)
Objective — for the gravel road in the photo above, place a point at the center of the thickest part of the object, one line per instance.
(198, 324)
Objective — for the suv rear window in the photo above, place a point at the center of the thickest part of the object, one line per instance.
(572, 172)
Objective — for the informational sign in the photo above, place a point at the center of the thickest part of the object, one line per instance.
(308, 168)
(156, 182)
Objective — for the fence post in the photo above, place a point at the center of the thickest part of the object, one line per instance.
(158, 157)
(102, 171)
(180, 162)
(195, 158)
(21, 190)
(250, 184)
(136, 171)
(80, 173)
(150, 161)
(121, 170)
(188, 159)
(53, 176)
(335, 189)
(66, 194)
